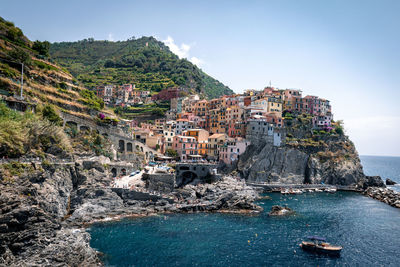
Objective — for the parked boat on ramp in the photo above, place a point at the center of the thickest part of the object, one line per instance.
(318, 245)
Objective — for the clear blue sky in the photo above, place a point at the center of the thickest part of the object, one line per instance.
(346, 51)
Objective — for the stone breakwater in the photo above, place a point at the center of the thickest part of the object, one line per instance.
(42, 213)
(385, 195)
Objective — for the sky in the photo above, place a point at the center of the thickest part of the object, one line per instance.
(346, 51)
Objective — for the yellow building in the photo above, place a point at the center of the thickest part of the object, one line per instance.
(274, 104)
(215, 141)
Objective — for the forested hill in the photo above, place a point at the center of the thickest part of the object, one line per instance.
(146, 62)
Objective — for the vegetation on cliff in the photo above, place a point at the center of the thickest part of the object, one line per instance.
(24, 133)
(146, 62)
(44, 81)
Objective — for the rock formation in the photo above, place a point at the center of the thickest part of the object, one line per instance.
(390, 182)
(280, 211)
(330, 160)
(43, 210)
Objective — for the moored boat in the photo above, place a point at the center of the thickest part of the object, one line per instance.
(330, 190)
(318, 245)
(285, 192)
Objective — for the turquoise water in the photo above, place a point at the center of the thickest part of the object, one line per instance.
(368, 230)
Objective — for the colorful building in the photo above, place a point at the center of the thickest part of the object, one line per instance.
(185, 146)
(233, 147)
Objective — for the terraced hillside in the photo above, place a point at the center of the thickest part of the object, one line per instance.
(44, 81)
(145, 61)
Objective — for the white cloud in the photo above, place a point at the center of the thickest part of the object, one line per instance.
(110, 37)
(182, 51)
(196, 61)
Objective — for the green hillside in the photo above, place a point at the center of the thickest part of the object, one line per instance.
(145, 61)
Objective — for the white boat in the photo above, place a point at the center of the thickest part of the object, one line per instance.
(330, 190)
(295, 191)
(285, 192)
(318, 190)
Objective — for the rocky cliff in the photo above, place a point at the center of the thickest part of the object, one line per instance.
(44, 206)
(328, 158)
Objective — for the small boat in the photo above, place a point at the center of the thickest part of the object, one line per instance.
(318, 190)
(318, 245)
(330, 190)
(285, 192)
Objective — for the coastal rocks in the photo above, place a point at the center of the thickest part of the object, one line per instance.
(385, 195)
(32, 211)
(280, 211)
(334, 161)
(229, 194)
(41, 213)
(273, 164)
(371, 181)
(390, 182)
(335, 172)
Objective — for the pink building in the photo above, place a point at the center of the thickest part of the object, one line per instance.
(186, 146)
(314, 104)
(127, 87)
(231, 150)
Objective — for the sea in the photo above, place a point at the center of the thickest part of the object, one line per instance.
(368, 231)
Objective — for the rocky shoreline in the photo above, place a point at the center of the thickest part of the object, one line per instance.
(384, 195)
(44, 212)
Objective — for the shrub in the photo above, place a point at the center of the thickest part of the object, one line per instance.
(50, 114)
(339, 130)
(91, 100)
(20, 134)
(171, 153)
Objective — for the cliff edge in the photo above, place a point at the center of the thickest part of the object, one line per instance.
(305, 156)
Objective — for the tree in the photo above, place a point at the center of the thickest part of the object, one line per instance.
(20, 55)
(171, 153)
(41, 47)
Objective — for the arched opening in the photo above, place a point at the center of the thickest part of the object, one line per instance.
(72, 124)
(129, 147)
(84, 128)
(123, 172)
(121, 146)
(186, 177)
(114, 172)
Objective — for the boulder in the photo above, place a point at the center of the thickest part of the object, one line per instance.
(280, 211)
(390, 182)
(372, 181)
